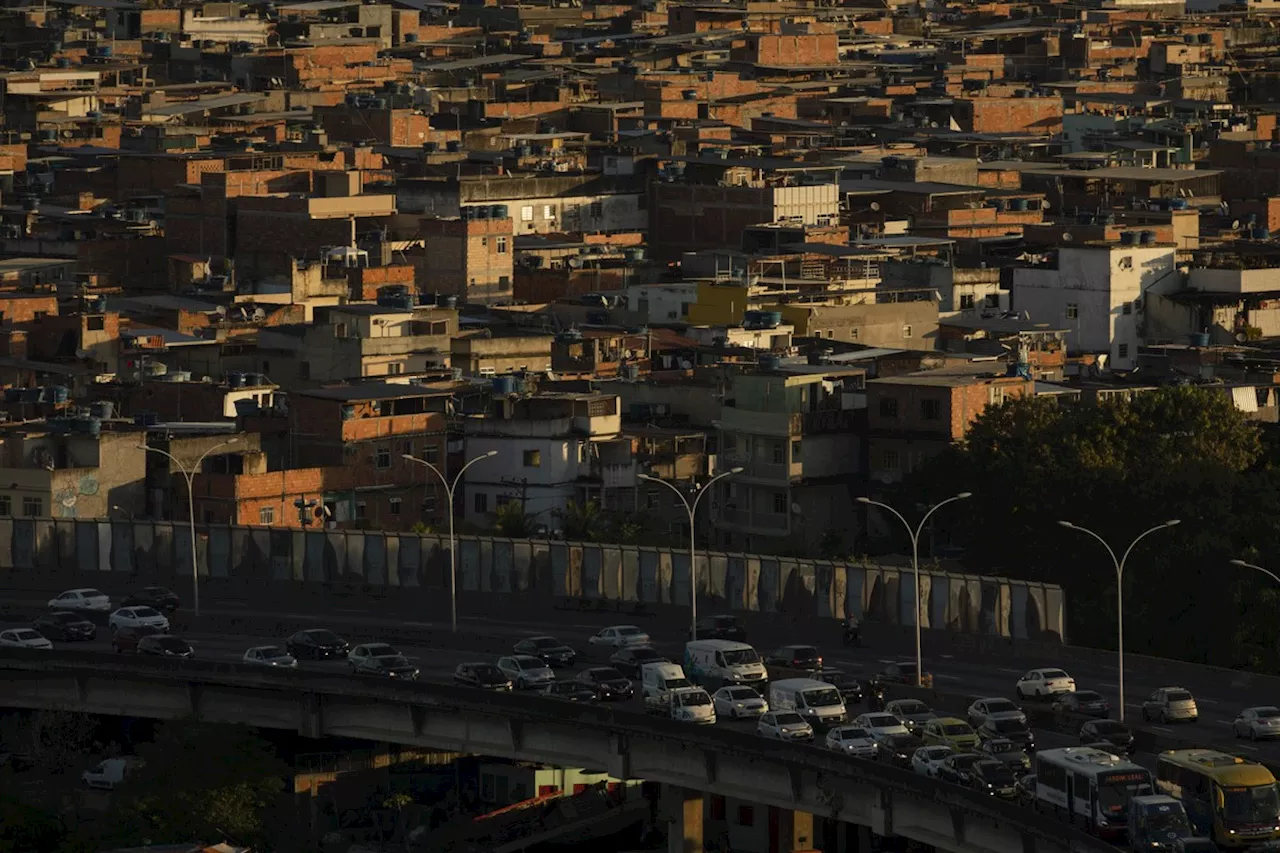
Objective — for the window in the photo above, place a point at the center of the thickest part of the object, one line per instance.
(267, 515)
(779, 453)
(795, 449)
(1123, 351)
(906, 331)
(395, 368)
(431, 453)
(1126, 263)
(395, 506)
(993, 300)
(6, 505)
(362, 509)
(526, 213)
(304, 370)
(597, 209)
(780, 504)
(1126, 308)
(482, 502)
(888, 407)
(429, 502)
(95, 324)
(890, 460)
(966, 301)
(339, 330)
(1073, 311)
(382, 458)
(504, 282)
(651, 499)
(548, 212)
(502, 245)
(533, 459)
(717, 807)
(930, 410)
(406, 448)
(746, 816)
(32, 507)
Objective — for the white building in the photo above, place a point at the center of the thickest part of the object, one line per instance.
(544, 449)
(1098, 293)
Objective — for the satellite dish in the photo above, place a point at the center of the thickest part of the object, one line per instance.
(795, 508)
(1044, 205)
(1066, 237)
(1235, 225)
(875, 205)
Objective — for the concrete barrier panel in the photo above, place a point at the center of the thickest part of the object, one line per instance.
(375, 559)
(611, 574)
(630, 574)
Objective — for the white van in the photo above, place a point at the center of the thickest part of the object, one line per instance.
(818, 702)
(720, 662)
(657, 680)
(109, 773)
(692, 705)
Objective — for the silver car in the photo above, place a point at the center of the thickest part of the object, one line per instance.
(736, 701)
(525, 671)
(912, 712)
(994, 708)
(1258, 723)
(270, 656)
(852, 740)
(784, 725)
(1169, 704)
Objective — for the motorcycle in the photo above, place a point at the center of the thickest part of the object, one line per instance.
(852, 633)
(874, 693)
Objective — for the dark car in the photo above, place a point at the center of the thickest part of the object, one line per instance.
(904, 672)
(607, 683)
(898, 749)
(65, 625)
(389, 666)
(850, 688)
(569, 691)
(553, 652)
(995, 778)
(317, 644)
(719, 628)
(797, 657)
(1015, 730)
(1088, 703)
(1006, 752)
(126, 638)
(162, 599)
(959, 769)
(165, 646)
(1110, 732)
(630, 660)
(486, 676)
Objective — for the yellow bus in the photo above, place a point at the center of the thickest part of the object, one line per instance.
(1228, 799)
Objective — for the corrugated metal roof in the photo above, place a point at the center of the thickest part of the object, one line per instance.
(217, 102)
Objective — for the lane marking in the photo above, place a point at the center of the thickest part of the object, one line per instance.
(1011, 671)
(1160, 728)
(945, 677)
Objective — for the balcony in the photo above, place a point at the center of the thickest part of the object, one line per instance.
(759, 423)
(757, 469)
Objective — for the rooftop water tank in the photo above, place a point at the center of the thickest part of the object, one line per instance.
(772, 319)
(1261, 234)
(770, 362)
(104, 409)
(1147, 238)
(504, 385)
(1178, 204)
(1018, 204)
(1200, 339)
(235, 379)
(59, 394)
(500, 211)
(453, 146)
(447, 300)
(1128, 238)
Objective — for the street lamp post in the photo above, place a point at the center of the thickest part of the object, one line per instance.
(1242, 564)
(914, 533)
(1119, 566)
(692, 510)
(189, 474)
(453, 540)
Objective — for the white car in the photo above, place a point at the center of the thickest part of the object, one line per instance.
(736, 701)
(24, 638)
(360, 656)
(82, 599)
(1044, 683)
(621, 637)
(852, 740)
(927, 759)
(134, 617)
(881, 725)
(995, 708)
(784, 725)
(526, 671)
(1253, 723)
(270, 656)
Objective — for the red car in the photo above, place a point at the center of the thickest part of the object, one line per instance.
(126, 638)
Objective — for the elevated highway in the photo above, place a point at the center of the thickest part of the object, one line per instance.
(806, 782)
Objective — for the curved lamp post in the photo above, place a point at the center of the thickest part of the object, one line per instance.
(189, 474)
(1119, 566)
(914, 533)
(692, 509)
(453, 540)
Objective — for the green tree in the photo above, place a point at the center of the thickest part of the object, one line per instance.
(1116, 467)
(25, 829)
(509, 520)
(199, 781)
(584, 522)
(56, 740)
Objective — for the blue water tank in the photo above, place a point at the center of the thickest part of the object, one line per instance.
(61, 426)
(447, 300)
(61, 393)
(1147, 238)
(770, 362)
(504, 385)
(93, 426)
(12, 395)
(431, 147)
(1200, 339)
(410, 38)
(1178, 204)
(104, 50)
(235, 379)
(248, 406)
(1127, 238)
(32, 395)
(1018, 204)
(1261, 234)
(480, 211)
(772, 319)
(104, 409)
(1206, 38)
(453, 145)
(501, 211)
(635, 253)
